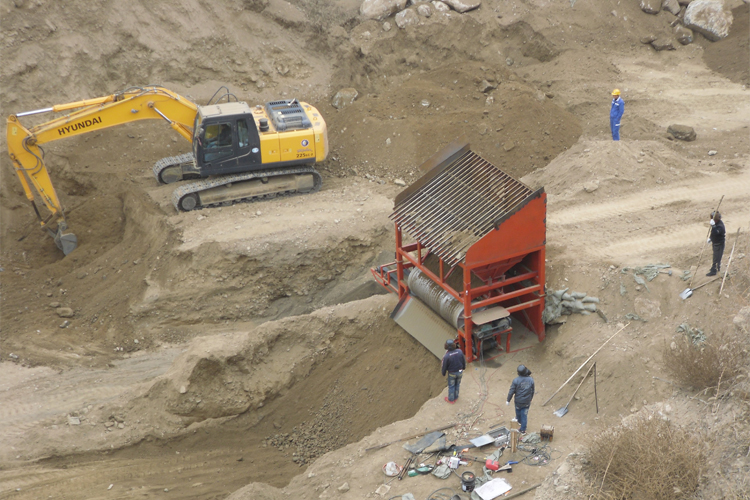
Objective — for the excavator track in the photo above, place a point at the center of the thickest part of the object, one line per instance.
(170, 161)
(246, 187)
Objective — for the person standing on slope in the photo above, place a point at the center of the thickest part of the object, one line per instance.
(615, 114)
(523, 390)
(717, 237)
(454, 363)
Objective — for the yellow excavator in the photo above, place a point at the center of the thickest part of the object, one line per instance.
(239, 153)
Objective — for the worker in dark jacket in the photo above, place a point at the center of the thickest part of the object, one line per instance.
(523, 390)
(718, 236)
(454, 363)
(615, 114)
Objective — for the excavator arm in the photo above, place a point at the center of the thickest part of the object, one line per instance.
(27, 156)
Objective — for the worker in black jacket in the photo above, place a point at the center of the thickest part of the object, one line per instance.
(454, 363)
(523, 390)
(718, 236)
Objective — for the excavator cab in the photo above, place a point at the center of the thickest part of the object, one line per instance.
(227, 140)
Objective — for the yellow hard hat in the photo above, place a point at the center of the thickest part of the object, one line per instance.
(616, 92)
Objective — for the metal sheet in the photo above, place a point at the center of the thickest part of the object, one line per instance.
(423, 324)
(482, 440)
(490, 314)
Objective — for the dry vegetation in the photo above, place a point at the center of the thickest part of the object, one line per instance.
(707, 365)
(648, 457)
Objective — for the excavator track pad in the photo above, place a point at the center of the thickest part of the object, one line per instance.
(246, 187)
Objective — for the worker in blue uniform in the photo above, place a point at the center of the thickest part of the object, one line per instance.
(615, 114)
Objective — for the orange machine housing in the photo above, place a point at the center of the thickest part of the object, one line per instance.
(468, 217)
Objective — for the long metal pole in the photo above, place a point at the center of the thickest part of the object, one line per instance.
(584, 363)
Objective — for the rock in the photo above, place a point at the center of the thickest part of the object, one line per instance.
(344, 97)
(662, 44)
(486, 86)
(65, 312)
(463, 5)
(742, 320)
(591, 186)
(424, 10)
(65, 324)
(183, 389)
(508, 146)
(344, 488)
(651, 6)
(387, 26)
(683, 34)
(682, 132)
(388, 141)
(383, 489)
(648, 39)
(509, 61)
(120, 425)
(74, 420)
(709, 18)
(646, 308)
(399, 182)
(13, 356)
(671, 6)
(406, 18)
(54, 305)
(440, 6)
(713, 152)
(380, 9)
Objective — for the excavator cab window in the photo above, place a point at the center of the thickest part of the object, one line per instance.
(217, 141)
(242, 134)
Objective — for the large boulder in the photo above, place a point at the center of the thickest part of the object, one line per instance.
(709, 18)
(684, 35)
(440, 6)
(424, 10)
(344, 97)
(662, 43)
(406, 18)
(682, 132)
(380, 9)
(651, 6)
(671, 6)
(463, 5)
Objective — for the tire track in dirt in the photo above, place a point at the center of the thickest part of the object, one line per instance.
(41, 395)
(601, 240)
(705, 192)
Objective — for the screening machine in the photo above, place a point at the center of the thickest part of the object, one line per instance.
(470, 247)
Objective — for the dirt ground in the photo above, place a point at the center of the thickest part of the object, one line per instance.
(245, 352)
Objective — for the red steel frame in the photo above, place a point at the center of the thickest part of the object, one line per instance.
(517, 243)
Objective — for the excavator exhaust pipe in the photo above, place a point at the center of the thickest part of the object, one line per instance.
(67, 242)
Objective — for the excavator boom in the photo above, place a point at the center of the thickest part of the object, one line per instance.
(138, 103)
(238, 153)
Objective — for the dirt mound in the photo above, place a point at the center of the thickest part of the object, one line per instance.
(453, 76)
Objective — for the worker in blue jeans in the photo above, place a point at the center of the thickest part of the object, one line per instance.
(523, 390)
(615, 114)
(454, 363)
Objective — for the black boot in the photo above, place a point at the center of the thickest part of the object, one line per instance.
(712, 272)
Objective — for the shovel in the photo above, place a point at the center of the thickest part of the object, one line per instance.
(562, 411)
(689, 291)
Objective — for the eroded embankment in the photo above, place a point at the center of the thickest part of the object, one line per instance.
(255, 404)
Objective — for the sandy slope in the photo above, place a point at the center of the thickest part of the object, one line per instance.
(182, 282)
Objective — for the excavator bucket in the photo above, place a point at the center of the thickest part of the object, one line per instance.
(67, 242)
